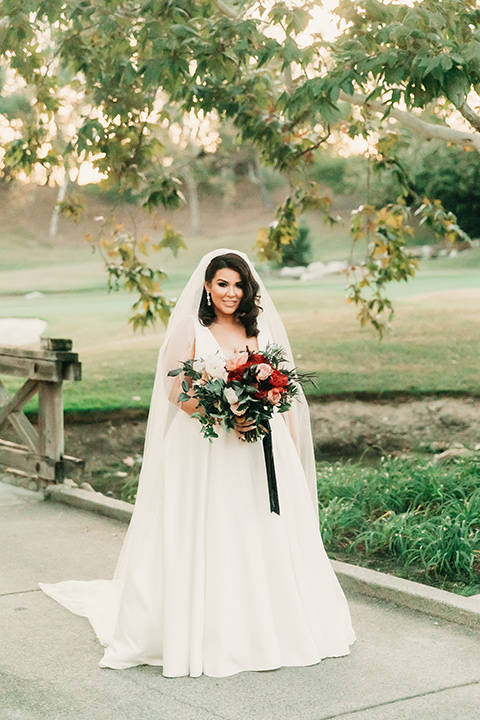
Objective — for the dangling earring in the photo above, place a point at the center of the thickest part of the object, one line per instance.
(209, 301)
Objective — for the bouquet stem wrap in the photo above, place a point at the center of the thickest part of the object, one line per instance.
(270, 468)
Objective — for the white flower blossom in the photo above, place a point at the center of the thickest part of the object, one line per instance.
(215, 367)
(230, 396)
(198, 366)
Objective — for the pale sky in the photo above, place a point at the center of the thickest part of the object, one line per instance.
(323, 21)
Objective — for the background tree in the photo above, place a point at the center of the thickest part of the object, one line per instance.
(434, 170)
(282, 90)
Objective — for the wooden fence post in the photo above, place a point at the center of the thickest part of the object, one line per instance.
(45, 370)
(50, 420)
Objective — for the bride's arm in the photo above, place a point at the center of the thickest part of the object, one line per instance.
(189, 406)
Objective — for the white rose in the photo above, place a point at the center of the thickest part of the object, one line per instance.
(215, 367)
(230, 396)
(198, 366)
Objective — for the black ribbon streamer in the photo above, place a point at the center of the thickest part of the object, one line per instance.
(270, 467)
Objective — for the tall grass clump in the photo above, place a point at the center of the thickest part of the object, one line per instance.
(417, 514)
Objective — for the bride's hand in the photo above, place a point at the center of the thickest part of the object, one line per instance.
(243, 426)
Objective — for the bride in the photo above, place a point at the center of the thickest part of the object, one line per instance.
(209, 580)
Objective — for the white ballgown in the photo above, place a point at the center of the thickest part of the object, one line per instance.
(209, 580)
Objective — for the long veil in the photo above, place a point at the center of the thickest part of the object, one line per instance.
(178, 343)
(102, 601)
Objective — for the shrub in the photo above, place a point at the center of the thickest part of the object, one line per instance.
(129, 490)
(415, 512)
(298, 252)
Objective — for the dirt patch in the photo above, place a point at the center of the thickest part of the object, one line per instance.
(351, 427)
(342, 429)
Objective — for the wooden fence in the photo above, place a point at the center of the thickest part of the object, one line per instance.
(41, 454)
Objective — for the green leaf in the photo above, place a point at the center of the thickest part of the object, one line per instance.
(300, 19)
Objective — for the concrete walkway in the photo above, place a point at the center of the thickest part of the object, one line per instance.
(405, 665)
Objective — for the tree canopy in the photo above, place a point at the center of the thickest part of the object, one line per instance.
(133, 65)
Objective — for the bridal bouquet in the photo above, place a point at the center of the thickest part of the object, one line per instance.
(248, 385)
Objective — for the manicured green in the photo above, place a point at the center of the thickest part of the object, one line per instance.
(432, 346)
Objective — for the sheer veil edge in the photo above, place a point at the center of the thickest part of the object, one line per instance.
(178, 344)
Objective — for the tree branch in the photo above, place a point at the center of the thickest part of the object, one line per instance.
(290, 85)
(228, 10)
(420, 127)
(314, 146)
(470, 115)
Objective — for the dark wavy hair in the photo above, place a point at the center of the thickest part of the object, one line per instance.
(249, 307)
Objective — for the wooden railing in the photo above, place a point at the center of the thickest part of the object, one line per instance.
(41, 454)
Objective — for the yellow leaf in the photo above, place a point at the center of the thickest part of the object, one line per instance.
(382, 214)
(143, 244)
(126, 248)
(380, 249)
(262, 236)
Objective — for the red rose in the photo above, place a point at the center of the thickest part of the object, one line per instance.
(236, 375)
(261, 394)
(278, 379)
(256, 359)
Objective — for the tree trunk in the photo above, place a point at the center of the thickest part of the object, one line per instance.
(256, 178)
(62, 191)
(192, 201)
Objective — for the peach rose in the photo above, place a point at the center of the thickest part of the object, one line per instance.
(236, 411)
(263, 371)
(236, 361)
(274, 395)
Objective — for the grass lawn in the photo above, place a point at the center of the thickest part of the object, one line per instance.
(432, 347)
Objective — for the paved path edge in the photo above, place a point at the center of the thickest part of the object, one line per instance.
(406, 593)
(353, 578)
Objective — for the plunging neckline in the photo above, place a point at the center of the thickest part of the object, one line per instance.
(222, 352)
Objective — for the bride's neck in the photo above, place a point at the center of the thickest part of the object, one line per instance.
(227, 321)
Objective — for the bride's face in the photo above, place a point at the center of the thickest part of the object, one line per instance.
(226, 291)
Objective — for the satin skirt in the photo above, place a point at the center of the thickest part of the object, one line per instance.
(211, 582)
